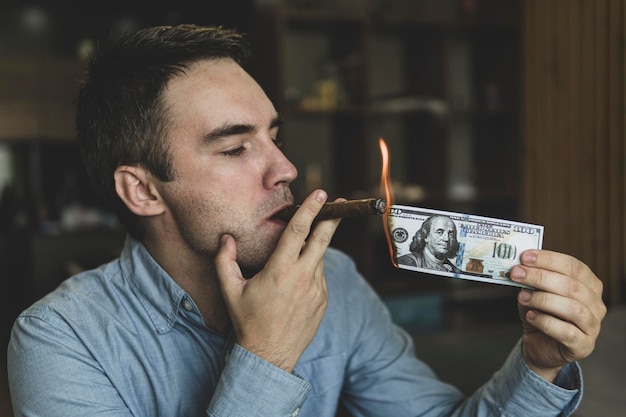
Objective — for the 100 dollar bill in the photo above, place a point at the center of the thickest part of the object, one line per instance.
(460, 245)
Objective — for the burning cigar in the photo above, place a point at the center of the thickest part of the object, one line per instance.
(335, 210)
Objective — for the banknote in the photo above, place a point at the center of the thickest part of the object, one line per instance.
(460, 245)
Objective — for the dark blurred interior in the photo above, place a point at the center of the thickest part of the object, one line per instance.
(451, 85)
(50, 221)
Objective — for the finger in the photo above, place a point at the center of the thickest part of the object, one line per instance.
(320, 238)
(299, 227)
(563, 296)
(228, 271)
(569, 310)
(576, 344)
(563, 275)
(563, 264)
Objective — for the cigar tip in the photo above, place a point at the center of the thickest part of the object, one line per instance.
(380, 205)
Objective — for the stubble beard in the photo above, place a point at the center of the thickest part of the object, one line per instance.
(201, 231)
(254, 247)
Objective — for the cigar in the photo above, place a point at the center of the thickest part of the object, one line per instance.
(335, 210)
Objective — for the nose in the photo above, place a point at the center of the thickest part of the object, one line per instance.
(280, 169)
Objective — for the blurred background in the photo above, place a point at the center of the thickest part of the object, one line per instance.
(504, 108)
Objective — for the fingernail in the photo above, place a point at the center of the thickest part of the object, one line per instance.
(525, 295)
(518, 273)
(321, 196)
(529, 257)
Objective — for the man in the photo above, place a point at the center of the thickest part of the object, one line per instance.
(214, 307)
(433, 245)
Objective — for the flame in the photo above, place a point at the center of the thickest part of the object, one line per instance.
(385, 184)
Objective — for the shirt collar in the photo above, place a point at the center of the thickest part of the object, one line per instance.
(157, 292)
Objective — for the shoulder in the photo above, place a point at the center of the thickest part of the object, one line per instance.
(408, 259)
(74, 302)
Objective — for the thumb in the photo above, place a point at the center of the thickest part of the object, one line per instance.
(228, 272)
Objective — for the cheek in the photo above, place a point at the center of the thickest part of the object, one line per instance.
(200, 219)
(229, 182)
(213, 198)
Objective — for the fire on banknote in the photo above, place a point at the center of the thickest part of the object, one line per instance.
(439, 242)
(451, 244)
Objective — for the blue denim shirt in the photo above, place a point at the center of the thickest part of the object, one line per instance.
(126, 340)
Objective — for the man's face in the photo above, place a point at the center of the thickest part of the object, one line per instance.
(230, 176)
(442, 234)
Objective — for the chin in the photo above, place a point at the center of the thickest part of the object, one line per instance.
(254, 259)
(253, 253)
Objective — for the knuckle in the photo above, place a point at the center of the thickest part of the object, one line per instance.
(280, 271)
(324, 300)
(598, 286)
(541, 276)
(323, 238)
(577, 267)
(571, 335)
(590, 347)
(578, 348)
(300, 228)
(578, 309)
(603, 310)
(574, 288)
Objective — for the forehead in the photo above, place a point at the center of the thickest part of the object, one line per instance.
(442, 223)
(214, 92)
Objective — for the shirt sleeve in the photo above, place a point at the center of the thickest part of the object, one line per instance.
(52, 374)
(518, 391)
(251, 386)
(385, 377)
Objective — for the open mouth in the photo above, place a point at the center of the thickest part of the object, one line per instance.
(284, 214)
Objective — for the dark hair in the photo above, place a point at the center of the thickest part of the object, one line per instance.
(120, 116)
(419, 239)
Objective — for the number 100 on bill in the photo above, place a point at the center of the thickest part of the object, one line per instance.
(460, 245)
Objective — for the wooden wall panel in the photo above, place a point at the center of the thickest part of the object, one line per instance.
(574, 131)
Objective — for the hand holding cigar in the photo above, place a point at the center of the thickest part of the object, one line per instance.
(342, 209)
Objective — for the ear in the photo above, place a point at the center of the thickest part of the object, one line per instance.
(134, 186)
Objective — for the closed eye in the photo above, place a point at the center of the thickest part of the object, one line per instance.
(234, 152)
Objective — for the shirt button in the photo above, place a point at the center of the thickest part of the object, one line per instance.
(295, 412)
(187, 305)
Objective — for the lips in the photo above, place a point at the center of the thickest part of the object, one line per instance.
(276, 216)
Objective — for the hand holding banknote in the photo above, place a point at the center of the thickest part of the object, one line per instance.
(561, 318)
(460, 245)
(560, 302)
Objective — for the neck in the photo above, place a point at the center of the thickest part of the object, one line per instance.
(196, 275)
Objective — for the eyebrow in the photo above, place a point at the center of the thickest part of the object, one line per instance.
(237, 129)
